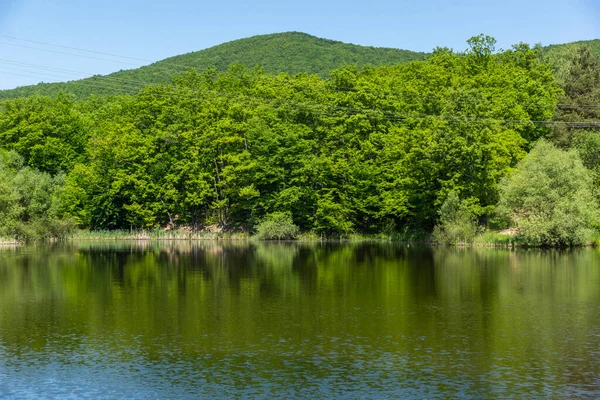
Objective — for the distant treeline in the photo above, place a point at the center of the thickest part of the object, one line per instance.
(368, 150)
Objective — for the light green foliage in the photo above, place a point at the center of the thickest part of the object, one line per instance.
(50, 134)
(29, 202)
(587, 143)
(365, 149)
(277, 226)
(549, 198)
(457, 223)
(463, 143)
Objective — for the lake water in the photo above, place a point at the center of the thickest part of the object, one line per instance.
(211, 320)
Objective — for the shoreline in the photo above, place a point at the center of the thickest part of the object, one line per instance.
(490, 240)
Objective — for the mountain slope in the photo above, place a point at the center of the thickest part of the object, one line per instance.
(559, 56)
(559, 48)
(290, 52)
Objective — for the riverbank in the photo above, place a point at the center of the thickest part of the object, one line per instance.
(185, 234)
(489, 239)
(8, 241)
(180, 234)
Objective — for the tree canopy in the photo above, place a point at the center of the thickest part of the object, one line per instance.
(549, 197)
(361, 151)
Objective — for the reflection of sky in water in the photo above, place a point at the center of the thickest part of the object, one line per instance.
(184, 320)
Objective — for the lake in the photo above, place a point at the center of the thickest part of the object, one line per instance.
(320, 320)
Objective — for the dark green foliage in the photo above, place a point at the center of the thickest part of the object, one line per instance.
(277, 226)
(560, 56)
(580, 103)
(579, 75)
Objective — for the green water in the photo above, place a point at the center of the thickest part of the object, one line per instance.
(209, 320)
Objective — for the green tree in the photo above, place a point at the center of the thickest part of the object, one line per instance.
(457, 223)
(580, 103)
(549, 198)
(50, 134)
(277, 226)
(29, 202)
(368, 147)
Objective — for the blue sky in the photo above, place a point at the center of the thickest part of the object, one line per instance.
(153, 30)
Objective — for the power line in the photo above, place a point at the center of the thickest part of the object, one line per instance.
(386, 114)
(68, 54)
(33, 72)
(167, 67)
(75, 48)
(293, 85)
(87, 74)
(42, 75)
(170, 66)
(120, 89)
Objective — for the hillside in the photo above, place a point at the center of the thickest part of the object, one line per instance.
(290, 52)
(560, 48)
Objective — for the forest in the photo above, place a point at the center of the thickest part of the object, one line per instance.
(452, 145)
(290, 52)
(287, 52)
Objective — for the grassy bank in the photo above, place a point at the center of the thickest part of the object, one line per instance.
(489, 239)
(180, 234)
(8, 242)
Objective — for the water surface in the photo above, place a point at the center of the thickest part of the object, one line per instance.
(207, 320)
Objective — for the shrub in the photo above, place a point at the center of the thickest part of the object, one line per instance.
(30, 202)
(457, 224)
(549, 198)
(277, 226)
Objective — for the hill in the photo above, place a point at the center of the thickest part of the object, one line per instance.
(560, 48)
(291, 52)
(559, 56)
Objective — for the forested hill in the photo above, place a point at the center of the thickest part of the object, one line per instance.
(559, 56)
(290, 52)
(593, 44)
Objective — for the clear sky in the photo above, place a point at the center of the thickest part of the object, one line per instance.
(153, 30)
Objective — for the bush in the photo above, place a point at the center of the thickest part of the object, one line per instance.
(277, 226)
(30, 202)
(549, 198)
(457, 224)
